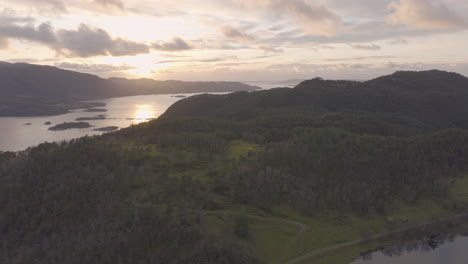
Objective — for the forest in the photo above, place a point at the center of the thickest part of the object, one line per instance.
(151, 193)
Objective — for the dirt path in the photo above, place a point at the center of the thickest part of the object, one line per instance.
(379, 235)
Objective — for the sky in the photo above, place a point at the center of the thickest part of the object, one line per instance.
(237, 40)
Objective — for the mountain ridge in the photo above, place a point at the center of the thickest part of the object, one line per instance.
(29, 89)
(415, 95)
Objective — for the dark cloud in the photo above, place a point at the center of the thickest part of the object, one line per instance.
(176, 44)
(44, 33)
(86, 41)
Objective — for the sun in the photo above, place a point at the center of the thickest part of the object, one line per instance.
(139, 66)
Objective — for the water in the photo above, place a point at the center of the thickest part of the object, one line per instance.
(266, 85)
(455, 252)
(122, 112)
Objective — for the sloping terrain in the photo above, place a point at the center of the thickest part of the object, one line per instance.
(261, 177)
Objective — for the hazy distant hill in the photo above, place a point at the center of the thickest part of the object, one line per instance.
(27, 89)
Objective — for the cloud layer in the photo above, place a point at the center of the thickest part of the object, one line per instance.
(171, 39)
(425, 14)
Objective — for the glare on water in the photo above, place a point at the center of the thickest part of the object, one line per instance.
(144, 113)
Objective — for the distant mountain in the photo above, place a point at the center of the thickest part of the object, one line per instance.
(27, 89)
(436, 97)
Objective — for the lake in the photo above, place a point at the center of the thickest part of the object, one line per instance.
(122, 112)
(454, 252)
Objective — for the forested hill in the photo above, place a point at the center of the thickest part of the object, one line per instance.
(434, 97)
(27, 89)
(224, 179)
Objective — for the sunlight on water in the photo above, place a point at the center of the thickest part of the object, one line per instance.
(144, 113)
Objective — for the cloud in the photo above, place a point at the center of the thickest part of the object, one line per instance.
(276, 28)
(43, 33)
(312, 18)
(62, 6)
(398, 41)
(424, 14)
(217, 44)
(8, 16)
(361, 32)
(4, 44)
(365, 47)
(176, 44)
(268, 49)
(86, 41)
(361, 58)
(47, 6)
(218, 59)
(85, 67)
(233, 33)
(111, 3)
(109, 7)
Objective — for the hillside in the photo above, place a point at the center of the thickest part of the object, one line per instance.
(434, 97)
(246, 178)
(27, 89)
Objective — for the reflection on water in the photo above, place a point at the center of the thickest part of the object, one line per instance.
(440, 249)
(121, 112)
(144, 113)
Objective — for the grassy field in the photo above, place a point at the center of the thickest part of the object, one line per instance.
(328, 230)
(239, 148)
(276, 242)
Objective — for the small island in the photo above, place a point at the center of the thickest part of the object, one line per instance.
(27, 124)
(96, 110)
(98, 117)
(107, 129)
(48, 123)
(69, 125)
